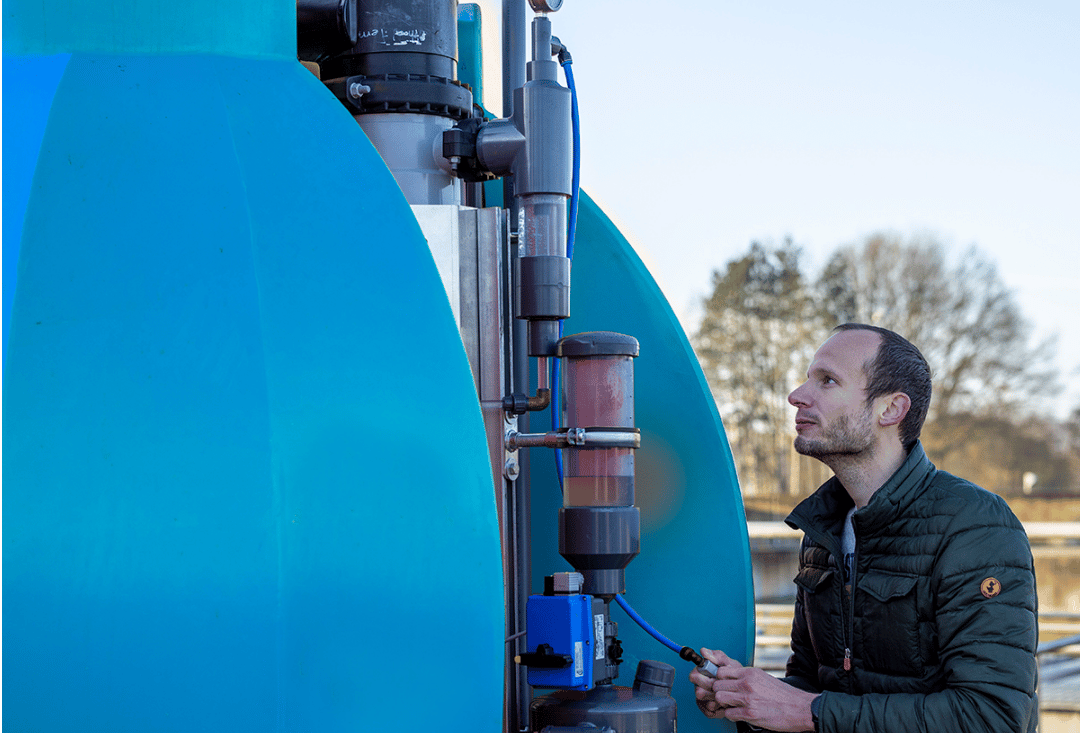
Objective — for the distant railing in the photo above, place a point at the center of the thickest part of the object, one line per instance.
(1056, 625)
(1059, 672)
(772, 636)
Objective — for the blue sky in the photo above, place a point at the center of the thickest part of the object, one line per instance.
(706, 125)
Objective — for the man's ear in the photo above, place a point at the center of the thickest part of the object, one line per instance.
(893, 409)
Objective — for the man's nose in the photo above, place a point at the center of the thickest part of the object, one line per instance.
(797, 397)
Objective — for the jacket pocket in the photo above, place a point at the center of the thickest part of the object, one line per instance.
(884, 588)
(821, 613)
(887, 623)
(810, 578)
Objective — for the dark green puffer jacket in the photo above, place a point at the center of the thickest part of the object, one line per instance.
(940, 631)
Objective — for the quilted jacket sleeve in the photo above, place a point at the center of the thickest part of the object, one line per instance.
(984, 597)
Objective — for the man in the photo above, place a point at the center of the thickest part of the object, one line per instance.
(915, 606)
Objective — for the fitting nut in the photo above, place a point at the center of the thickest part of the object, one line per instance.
(511, 469)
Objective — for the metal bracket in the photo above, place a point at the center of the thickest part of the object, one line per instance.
(511, 466)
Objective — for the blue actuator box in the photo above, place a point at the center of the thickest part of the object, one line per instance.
(565, 624)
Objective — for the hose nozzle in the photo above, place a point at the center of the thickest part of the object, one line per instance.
(704, 665)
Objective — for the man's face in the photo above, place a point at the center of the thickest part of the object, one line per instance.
(833, 418)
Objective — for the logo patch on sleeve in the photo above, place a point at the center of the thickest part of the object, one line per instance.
(990, 587)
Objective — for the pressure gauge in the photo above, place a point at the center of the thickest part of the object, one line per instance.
(545, 6)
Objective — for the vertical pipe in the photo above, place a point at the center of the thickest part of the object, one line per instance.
(514, 35)
(514, 49)
(515, 31)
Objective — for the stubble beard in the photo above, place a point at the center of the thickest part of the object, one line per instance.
(843, 441)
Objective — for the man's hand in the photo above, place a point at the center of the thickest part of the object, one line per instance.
(703, 691)
(751, 694)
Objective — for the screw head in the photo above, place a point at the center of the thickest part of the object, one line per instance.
(511, 469)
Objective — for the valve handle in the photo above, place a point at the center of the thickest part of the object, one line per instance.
(544, 658)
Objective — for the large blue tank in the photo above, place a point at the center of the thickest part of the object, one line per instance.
(227, 503)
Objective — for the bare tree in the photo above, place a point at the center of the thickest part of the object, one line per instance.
(758, 332)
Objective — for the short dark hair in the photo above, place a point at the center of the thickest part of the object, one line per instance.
(898, 366)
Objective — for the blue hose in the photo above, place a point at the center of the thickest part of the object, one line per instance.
(575, 125)
(645, 625)
(575, 190)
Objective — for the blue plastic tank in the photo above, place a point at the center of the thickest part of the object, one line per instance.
(227, 505)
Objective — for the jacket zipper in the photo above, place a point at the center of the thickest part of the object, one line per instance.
(849, 628)
(837, 551)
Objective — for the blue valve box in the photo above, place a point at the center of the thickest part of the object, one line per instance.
(565, 623)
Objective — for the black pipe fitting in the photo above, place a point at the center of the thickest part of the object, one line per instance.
(519, 403)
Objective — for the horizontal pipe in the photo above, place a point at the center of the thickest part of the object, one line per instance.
(574, 438)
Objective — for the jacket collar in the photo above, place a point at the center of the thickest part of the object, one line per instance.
(823, 510)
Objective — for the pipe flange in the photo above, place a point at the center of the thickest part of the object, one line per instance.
(405, 93)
